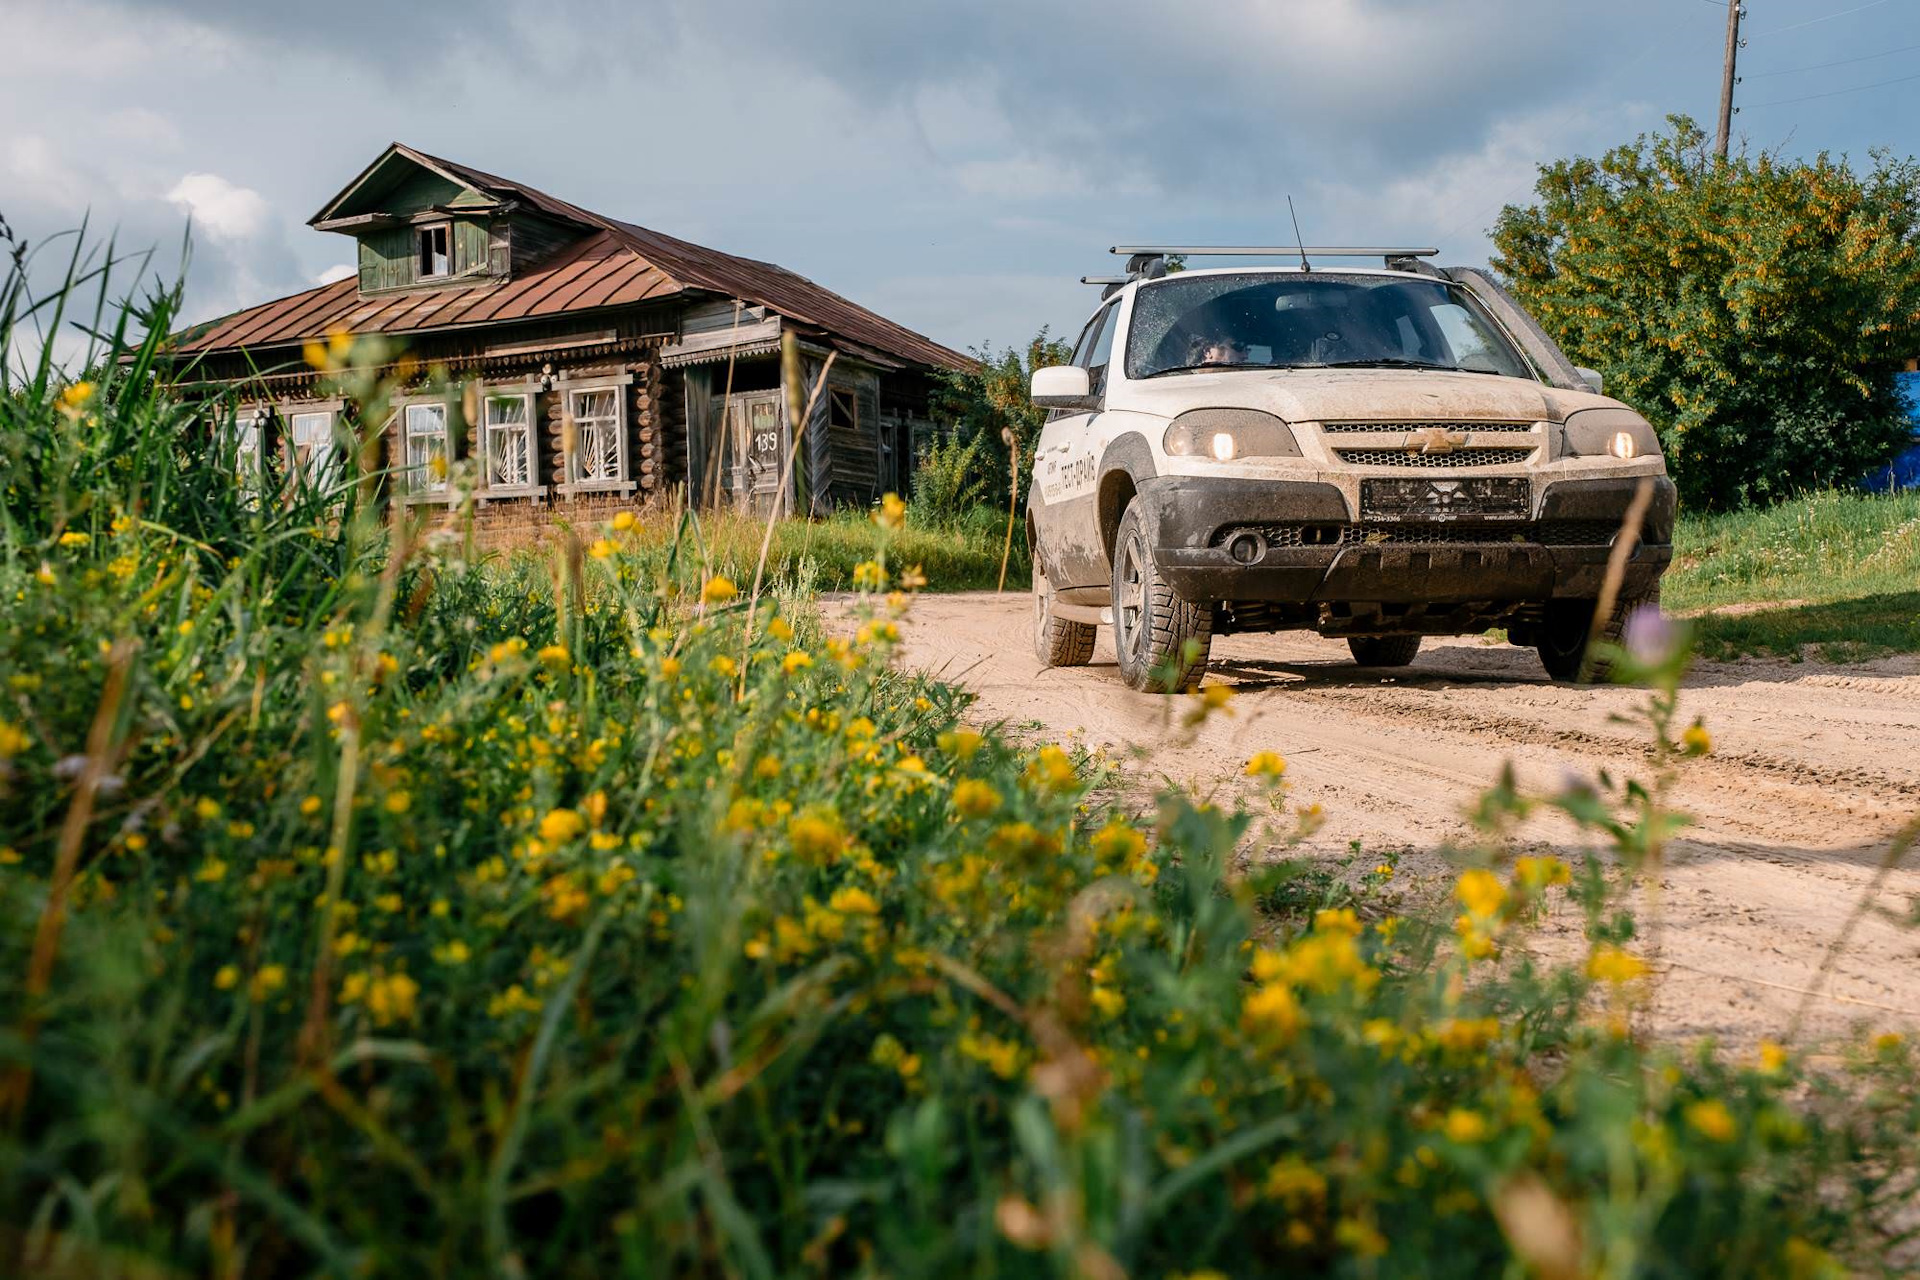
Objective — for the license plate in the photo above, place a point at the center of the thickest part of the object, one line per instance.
(1485, 498)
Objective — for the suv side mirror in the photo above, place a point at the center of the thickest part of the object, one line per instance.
(1063, 386)
(1592, 378)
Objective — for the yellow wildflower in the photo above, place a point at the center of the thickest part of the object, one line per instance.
(853, 901)
(973, 798)
(962, 743)
(869, 576)
(76, 394)
(555, 656)
(623, 521)
(1266, 764)
(13, 740)
(797, 660)
(891, 514)
(227, 978)
(399, 801)
(718, 590)
(74, 538)
(1052, 770)
(1481, 893)
(268, 980)
(561, 825)
(1711, 1120)
(1465, 1126)
(601, 549)
(1611, 964)
(1696, 740)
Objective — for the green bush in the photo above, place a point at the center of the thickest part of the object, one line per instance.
(1755, 309)
(369, 911)
(990, 403)
(948, 483)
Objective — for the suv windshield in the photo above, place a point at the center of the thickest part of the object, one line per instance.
(1305, 320)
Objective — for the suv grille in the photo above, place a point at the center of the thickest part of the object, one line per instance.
(1557, 533)
(1459, 458)
(1354, 428)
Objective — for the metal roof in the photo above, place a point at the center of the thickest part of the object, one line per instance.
(617, 264)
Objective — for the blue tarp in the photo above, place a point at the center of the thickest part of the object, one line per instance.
(1904, 471)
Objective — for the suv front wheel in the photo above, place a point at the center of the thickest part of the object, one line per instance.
(1562, 639)
(1162, 641)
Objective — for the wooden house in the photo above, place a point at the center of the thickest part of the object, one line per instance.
(658, 359)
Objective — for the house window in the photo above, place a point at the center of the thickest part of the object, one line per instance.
(506, 441)
(843, 409)
(599, 454)
(426, 454)
(315, 454)
(245, 435)
(436, 256)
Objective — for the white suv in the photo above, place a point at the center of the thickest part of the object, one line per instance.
(1377, 454)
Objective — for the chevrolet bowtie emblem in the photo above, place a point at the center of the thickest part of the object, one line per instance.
(1435, 440)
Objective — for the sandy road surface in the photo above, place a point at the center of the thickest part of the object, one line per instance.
(1814, 767)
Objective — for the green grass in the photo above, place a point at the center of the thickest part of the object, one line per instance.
(1839, 572)
(822, 554)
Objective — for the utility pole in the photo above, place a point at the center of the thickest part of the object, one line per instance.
(1734, 14)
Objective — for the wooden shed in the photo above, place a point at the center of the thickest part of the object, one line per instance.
(661, 355)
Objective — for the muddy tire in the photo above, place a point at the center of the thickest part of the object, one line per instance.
(1162, 640)
(1384, 651)
(1561, 640)
(1056, 641)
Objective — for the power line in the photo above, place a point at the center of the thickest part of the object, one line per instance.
(1834, 93)
(1821, 66)
(1872, 4)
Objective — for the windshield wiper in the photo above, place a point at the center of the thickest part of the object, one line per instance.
(1210, 364)
(1384, 362)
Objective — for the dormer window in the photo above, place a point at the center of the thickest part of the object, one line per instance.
(436, 256)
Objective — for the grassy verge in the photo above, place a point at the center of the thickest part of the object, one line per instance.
(1834, 574)
(367, 912)
(823, 554)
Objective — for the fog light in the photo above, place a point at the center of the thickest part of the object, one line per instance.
(1222, 446)
(1622, 446)
(1246, 548)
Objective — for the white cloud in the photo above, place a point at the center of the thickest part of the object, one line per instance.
(219, 208)
(338, 271)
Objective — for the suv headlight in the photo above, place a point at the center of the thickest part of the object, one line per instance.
(1227, 434)
(1622, 433)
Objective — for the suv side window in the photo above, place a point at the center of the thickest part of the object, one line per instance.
(1096, 347)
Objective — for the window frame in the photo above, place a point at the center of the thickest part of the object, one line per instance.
(407, 489)
(288, 410)
(567, 387)
(528, 393)
(420, 252)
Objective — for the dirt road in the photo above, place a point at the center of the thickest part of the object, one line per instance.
(1813, 768)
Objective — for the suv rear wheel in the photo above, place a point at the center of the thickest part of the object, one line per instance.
(1384, 651)
(1162, 641)
(1561, 639)
(1058, 642)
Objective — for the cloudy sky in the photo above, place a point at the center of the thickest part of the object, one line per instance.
(955, 166)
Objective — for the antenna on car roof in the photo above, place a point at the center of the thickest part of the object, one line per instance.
(1298, 239)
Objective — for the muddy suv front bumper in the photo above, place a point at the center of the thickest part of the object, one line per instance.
(1296, 541)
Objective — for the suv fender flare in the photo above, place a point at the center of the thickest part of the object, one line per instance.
(1125, 468)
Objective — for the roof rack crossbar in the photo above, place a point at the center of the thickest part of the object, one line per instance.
(1268, 251)
(1106, 279)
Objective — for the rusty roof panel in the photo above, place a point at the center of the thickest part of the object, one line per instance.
(620, 264)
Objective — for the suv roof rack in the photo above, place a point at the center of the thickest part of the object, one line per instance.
(1272, 251)
(1149, 261)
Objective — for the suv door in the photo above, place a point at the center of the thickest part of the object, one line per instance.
(1066, 524)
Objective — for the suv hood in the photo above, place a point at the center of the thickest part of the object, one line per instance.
(1357, 395)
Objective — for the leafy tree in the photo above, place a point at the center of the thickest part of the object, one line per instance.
(1755, 309)
(992, 398)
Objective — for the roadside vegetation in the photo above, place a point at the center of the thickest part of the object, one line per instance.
(371, 909)
(1836, 571)
(1755, 308)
